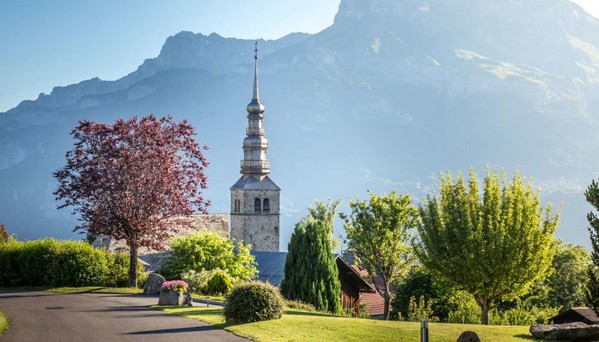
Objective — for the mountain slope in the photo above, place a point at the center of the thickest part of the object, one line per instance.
(389, 95)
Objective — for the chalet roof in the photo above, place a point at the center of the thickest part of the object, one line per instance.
(345, 268)
(580, 314)
(374, 301)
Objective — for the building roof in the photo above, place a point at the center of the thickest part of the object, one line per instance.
(374, 301)
(253, 183)
(580, 314)
(344, 268)
(271, 266)
(216, 223)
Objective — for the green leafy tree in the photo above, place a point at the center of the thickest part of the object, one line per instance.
(420, 283)
(379, 232)
(495, 246)
(207, 251)
(592, 196)
(311, 274)
(325, 212)
(565, 286)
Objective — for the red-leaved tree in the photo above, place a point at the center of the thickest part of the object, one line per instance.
(134, 180)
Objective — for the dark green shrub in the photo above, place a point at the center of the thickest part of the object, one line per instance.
(220, 283)
(11, 273)
(48, 262)
(118, 270)
(76, 263)
(253, 302)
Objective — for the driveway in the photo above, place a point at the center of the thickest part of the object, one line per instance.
(46, 316)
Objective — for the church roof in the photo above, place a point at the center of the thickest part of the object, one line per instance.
(271, 266)
(252, 183)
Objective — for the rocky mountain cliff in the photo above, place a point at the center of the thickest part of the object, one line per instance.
(389, 95)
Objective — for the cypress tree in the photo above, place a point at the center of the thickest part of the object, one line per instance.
(311, 273)
(592, 196)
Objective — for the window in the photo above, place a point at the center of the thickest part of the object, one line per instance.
(266, 206)
(257, 205)
(237, 205)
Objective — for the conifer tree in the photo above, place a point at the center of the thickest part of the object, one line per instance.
(592, 196)
(311, 273)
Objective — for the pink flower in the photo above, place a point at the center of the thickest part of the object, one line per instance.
(174, 285)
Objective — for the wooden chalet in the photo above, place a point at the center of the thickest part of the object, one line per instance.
(352, 286)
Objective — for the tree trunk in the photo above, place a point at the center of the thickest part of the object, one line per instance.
(484, 311)
(387, 312)
(133, 265)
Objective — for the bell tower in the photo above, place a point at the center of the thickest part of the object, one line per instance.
(255, 197)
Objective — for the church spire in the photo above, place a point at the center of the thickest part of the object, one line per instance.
(256, 95)
(254, 161)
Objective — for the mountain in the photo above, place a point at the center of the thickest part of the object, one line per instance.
(387, 97)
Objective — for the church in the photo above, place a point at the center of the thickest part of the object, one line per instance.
(255, 198)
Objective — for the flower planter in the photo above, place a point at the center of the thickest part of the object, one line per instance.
(168, 297)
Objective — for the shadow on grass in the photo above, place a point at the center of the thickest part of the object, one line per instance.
(307, 313)
(175, 330)
(526, 337)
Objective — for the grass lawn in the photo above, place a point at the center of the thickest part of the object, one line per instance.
(309, 326)
(3, 323)
(96, 289)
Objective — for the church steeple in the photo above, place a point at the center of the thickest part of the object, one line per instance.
(255, 198)
(254, 161)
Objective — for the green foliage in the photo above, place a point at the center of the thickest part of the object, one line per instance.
(311, 273)
(379, 233)
(592, 295)
(495, 246)
(118, 270)
(209, 251)
(219, 284)
(299, 305)
(253, 302)
(198, 280)
(420, 310)
(565, 286)
(325, 212)
(522, 315)
(49, 262)
(420, 283)
(76, 263)
(465, 311)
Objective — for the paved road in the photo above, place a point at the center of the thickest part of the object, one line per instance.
(45, 316)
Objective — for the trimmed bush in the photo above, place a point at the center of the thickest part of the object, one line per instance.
(118, 271)
(48, 262)
(253, 302)
(76, 263)
(220, 283)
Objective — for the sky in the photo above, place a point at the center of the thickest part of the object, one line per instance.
(61, 42)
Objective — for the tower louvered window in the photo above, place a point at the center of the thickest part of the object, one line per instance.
(257, 205)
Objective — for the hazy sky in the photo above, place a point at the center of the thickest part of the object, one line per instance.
(50, 43)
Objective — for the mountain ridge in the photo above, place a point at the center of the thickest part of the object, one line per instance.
(386, 97)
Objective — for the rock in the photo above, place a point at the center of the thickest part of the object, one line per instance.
(576, 331)
(468, 336)
(174, 298)
(153, 283)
